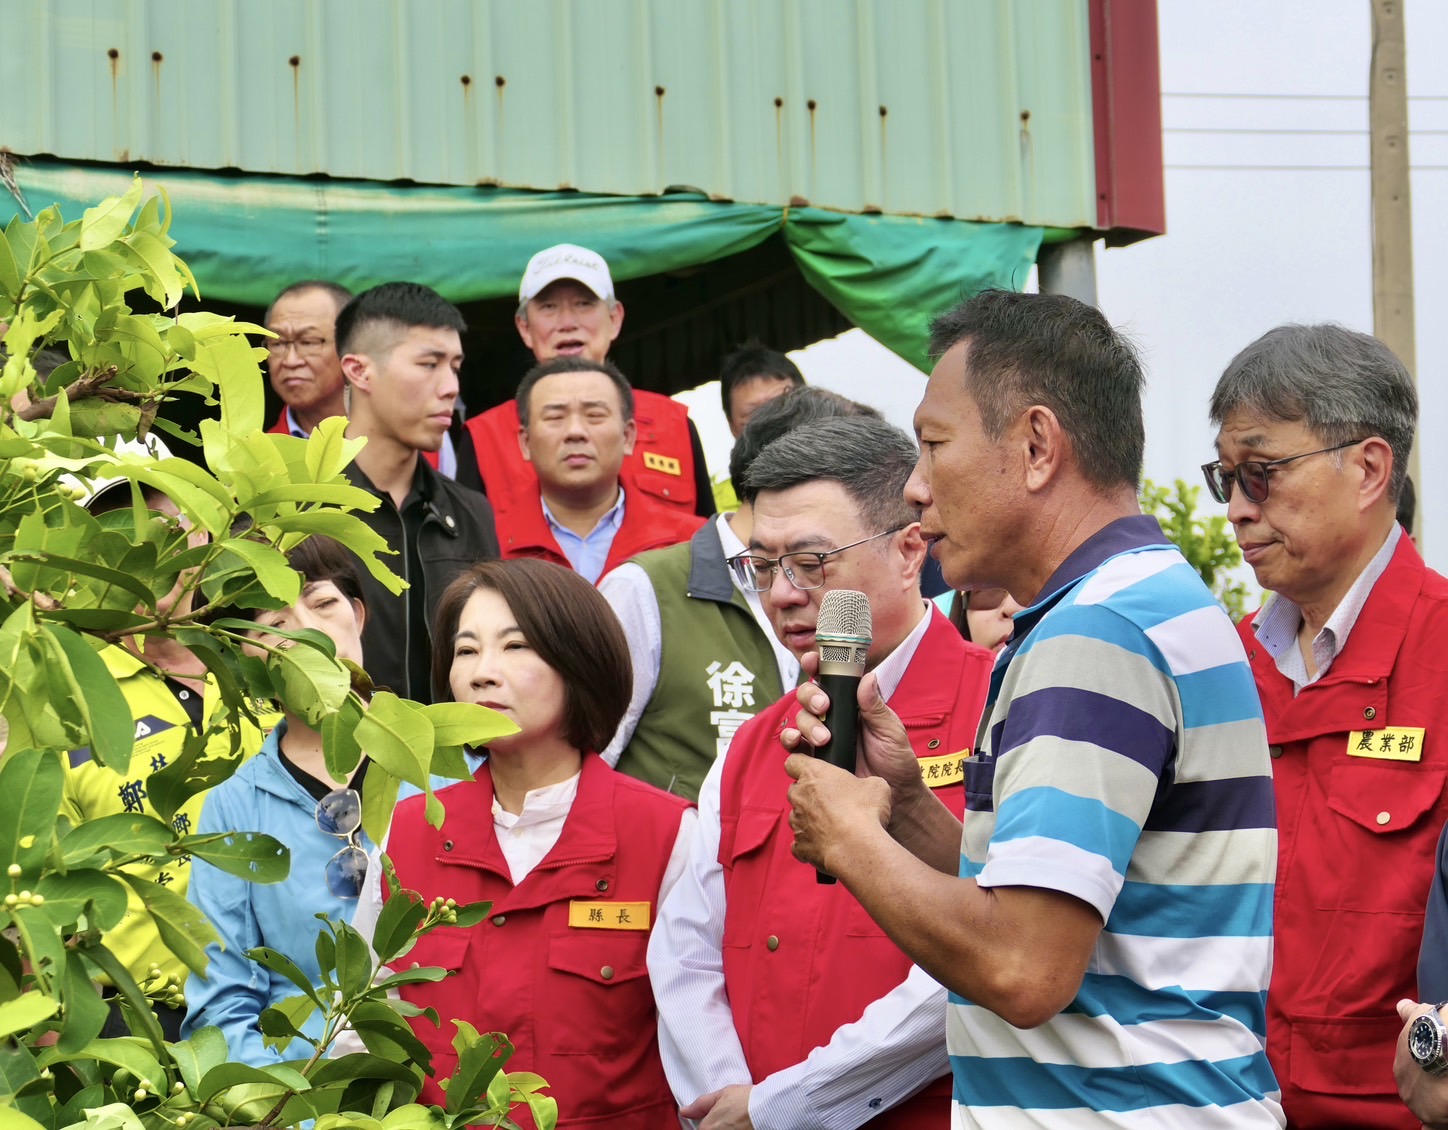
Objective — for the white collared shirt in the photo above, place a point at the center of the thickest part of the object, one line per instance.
(1277, 624)
(895, 1048)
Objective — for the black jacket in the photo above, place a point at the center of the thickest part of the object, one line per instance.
(456, 530)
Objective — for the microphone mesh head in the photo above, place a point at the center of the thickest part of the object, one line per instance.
(844, 612)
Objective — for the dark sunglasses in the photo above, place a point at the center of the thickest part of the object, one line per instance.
(339, 813)
(1252, 476)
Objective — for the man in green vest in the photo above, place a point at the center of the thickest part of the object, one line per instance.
(705, 658)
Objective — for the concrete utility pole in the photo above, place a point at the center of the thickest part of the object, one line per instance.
(1069, 268)
(1393, 321)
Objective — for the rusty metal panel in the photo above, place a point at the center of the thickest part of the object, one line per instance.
(976, 109)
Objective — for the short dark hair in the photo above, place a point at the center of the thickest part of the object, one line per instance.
(400, 306)
(556, 365)
(567, 622)
(1341, 384)
(1407, 505)
(1050, 349)
(779, 416)
(318, 558)
(750, 361)
(871, 458)
(339, 293)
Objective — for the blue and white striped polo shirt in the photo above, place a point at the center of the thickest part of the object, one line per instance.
(1124, 761)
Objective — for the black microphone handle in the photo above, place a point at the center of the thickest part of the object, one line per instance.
(842, 719)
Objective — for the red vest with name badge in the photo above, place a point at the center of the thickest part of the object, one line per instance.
(802, 959)
(1359, 764)
(569, 989)
(661, 466)
(646, 525)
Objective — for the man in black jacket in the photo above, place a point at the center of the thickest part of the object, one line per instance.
(401, 349)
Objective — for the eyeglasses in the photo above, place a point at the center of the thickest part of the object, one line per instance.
(1252, 476)
(339, 814)
(305, 346)
(805, 570)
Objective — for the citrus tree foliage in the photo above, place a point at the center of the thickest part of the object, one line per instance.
(1207, 543)
(73, 584)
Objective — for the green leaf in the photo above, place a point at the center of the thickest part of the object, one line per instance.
(386, 1034)
(270, 566)
(128, 1052)
(339, 739)
(26, 1011)
(125, 833)
(135, 1007)
(194, 770)
(282, 1022)
(184, 929)
(32, 783)
(480, 1058)
(379, 798)
(205, 1049)
(12, 1119)
(311, 682)
(227, 1075)
(544, 1109)
(18, 1070)
(113, 1116)
(463, 723)
(391, 734)
(413, 1117)
(103, 225)
(98, 701)
(329, 450)
(66, 896)
(397, 923)
(247, 855)
(85, 1010)
(280, 963)
(360, 1066)
(352, 532)
(354, 961)
(164, 281)
(423, 974)
(9, 270)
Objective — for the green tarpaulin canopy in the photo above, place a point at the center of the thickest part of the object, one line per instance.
(247, 236)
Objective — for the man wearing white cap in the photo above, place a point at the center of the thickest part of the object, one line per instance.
(567, 308)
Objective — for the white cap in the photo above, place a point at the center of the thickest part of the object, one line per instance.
(566, 261)
(152, 447)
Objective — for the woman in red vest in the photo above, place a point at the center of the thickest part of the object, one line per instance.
(574, 857)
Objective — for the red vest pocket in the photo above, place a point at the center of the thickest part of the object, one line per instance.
(1367, 857)
(1341, 1056)
(601, 997)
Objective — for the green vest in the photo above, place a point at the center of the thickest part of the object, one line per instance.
(716, 671)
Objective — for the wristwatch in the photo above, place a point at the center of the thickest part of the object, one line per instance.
(1426, 1042)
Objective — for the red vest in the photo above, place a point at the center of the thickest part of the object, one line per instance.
(576, 1002)
(280, 428)
(1356, 847)
(801, 959)
(646, 525)
(661, 465)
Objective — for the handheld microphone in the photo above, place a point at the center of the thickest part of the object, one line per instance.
(843, 634)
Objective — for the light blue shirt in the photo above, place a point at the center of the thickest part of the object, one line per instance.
(587, 554)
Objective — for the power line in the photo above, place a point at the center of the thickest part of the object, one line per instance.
(1289, 132)
(1293, 97)
(1301, 168)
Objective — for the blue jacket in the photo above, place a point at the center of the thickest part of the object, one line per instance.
(262, 796)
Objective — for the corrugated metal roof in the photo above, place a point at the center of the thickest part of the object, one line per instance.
(977, 109)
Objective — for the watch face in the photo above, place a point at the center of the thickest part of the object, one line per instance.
(1425, 1040)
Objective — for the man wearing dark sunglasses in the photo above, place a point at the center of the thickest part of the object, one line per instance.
(1314, 428)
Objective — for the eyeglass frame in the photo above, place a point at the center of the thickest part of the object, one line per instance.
(279, 347)
(351, 837)
(777, 563)
(1223, 492)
